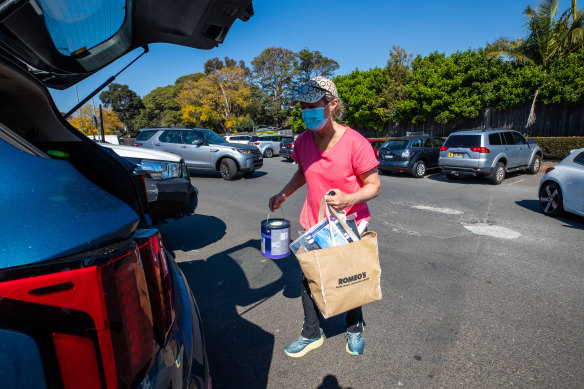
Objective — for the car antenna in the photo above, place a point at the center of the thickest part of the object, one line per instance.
(106, 83)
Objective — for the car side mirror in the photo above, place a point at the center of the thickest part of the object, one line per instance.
(198, 142)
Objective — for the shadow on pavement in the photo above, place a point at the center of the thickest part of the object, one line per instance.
(192, 232)
(331, 382)
(570, 220)
(228, 286)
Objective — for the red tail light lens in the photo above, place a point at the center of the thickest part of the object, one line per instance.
(137, 144)
(158, 280)
(481, 150)
(549, 169)
(77, 362)
(443, 148)
(107, 287)
(256, 143)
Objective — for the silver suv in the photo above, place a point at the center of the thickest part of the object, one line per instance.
(491, 153)
(269, 145)
(202, 149)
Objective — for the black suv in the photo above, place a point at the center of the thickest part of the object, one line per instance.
(412, 155)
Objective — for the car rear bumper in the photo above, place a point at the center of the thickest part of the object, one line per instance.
(393, 166)
(171, 198)
(472, 170)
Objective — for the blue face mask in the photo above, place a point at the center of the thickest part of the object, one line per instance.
(314, 118)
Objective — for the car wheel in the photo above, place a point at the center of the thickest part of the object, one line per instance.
(550, 199)
(228, 169)
(268, 153)
(498, 174)
(419, 170)
(534, 168)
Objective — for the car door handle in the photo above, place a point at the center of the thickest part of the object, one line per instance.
(214, 150)
(183, 147)
(506, 149)
(156, 144)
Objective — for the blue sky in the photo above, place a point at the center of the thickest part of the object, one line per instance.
(357, 34)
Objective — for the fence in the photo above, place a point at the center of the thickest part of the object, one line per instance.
(551, 120)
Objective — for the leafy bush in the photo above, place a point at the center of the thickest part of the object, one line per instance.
(558, 148)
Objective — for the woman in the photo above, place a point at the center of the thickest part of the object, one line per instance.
(331, 158)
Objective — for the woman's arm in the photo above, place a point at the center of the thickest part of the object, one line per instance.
(371, 188)
(295, 182)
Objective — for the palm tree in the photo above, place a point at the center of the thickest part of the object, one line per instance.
(550, 38)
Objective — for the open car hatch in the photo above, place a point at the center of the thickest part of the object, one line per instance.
(61, 42)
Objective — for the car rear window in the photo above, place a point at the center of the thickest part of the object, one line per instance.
(466, 141)
(145, 135)
(396, 144)
(285, 141)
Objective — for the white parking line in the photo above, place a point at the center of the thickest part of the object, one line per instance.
(513, 183)
(448, 211)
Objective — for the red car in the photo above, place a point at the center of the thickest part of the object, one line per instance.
(376, 144)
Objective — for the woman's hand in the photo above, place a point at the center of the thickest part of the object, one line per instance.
(339, 200)
(276, 201)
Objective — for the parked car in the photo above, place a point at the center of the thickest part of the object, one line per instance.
(89, 296)
(239, 139)
(269, 145)
(562, 187)
(490, 153)
(376, 144)
(202, 150)
(169, 191)
(412, 155)
(286, 148)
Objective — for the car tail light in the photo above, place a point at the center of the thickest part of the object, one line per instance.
(93, 314)
(159, 281)
(290, 146)
(443, 148)
(549, 169)
(256, 143)
(481, 150)
(137, 144)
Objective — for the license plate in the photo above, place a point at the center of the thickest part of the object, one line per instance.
(389, 157)
(455, 155)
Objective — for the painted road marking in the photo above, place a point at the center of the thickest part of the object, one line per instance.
(448, 211)
(490, 230)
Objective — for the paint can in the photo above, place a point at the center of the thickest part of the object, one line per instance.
(275, 235)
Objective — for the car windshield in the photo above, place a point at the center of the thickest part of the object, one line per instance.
(78, 26)
(466, 141)
(396, 144)
(211, 137)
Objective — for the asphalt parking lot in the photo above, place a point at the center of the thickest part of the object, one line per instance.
(480, 289)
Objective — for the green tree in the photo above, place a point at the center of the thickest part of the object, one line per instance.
(551, 37)
(160, 108)
(362, 92)
(399, 71)
(312, 64)
(274, 71)
(189, 77)
(124, 102)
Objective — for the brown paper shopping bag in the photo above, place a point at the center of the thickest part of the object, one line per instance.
(343, 277)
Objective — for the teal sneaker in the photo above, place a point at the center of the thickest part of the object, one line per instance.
(355, 343)
(303, 345)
